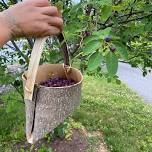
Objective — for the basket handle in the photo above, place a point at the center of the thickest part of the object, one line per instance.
(33, 67)
(34, 63)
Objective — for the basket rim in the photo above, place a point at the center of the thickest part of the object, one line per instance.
(40, 86)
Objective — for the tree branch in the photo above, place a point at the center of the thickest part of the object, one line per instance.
(4, 4)
(132, 13)
(64, 48)
(19, 51)
(127, 21)
(18, 90)
(11, 47)
(135, 19)
(30, 42)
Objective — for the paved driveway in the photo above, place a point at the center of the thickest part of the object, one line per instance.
(134, 79)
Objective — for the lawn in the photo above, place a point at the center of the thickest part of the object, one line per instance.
(117, 112)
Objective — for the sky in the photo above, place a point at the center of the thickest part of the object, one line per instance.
(76, 1)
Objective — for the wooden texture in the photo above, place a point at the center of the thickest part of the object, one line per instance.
(64, 49)
(33, 67)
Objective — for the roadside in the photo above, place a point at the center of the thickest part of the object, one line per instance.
(134, 79)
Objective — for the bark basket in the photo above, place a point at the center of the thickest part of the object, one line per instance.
(47, 107)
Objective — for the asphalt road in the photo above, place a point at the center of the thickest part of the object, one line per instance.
(134, 79)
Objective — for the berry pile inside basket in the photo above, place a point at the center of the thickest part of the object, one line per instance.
(57, 82)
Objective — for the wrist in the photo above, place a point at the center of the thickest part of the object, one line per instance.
(5, 29)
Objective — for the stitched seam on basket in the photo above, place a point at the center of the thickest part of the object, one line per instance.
(35, 99)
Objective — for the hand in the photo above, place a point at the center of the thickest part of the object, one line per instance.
(32, 18)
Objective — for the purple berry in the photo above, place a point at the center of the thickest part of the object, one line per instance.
(57, 82)
(112, 49)
(87, 33)
(115, 14)
(72, 83)
(108, 39)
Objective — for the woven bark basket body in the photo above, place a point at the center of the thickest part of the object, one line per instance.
(50, 105)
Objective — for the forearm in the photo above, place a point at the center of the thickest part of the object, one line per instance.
(5, 32)
(30, 18)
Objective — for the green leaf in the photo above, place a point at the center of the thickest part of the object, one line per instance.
(121, 48)
(117, 8)
(109, 80)
(72, 28)
(17, 83)
(104, 2)
(94, 61)
(106, 12)
(102, 33)
(112, 63)
(147, 8)
(75, 9)
(21, 61)
(148, 27)
(118, 81)
(91, 47)
(90, 38)
(59, 5)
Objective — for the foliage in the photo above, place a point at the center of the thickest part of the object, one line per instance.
(103, 30)
(123, 22)
(65, 129)
(12, 120)
(45, 149)
(8, 78)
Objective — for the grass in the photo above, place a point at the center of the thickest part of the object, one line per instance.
(11, 120)
(122, 116)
